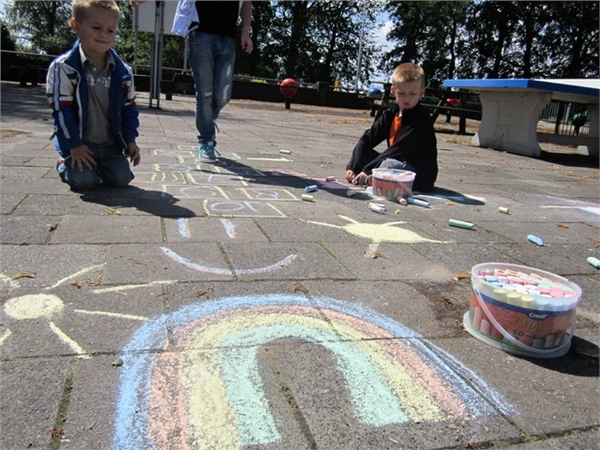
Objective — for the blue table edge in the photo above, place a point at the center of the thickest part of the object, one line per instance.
(524, 83)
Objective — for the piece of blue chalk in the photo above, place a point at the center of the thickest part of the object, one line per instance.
(311, 188)
(536, 240)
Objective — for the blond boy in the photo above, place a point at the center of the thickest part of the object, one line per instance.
(91, 93)
(408, 131)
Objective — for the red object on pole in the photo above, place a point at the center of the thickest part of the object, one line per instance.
(288, 87)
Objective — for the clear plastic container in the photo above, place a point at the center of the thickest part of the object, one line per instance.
(522, 310)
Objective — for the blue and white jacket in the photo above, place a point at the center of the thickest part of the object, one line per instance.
(67, 92)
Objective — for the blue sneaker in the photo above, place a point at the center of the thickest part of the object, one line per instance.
(206, 152)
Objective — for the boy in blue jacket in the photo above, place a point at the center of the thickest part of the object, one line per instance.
(408, 131)
(91, 93)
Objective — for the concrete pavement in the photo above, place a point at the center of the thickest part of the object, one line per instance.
(209, 306)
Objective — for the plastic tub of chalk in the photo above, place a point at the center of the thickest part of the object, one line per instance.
(522, 310)
(392, 183)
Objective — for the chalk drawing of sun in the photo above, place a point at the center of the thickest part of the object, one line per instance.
(379, 232)
(212, 396)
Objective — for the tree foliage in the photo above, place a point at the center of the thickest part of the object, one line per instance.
(496, 39)
(328, 40)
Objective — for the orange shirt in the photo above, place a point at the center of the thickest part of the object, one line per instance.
(395, 131)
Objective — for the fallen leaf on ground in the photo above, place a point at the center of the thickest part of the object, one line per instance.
(77, 284)
(52, 226)
(135, 260)
(198, 293)
(444, 300)
(461, 276)
(23, 275)
(377, 255)
(560, 225)
(299, 287)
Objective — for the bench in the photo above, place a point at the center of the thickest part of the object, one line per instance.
(181, 82)
(31, 74)
(511, 109)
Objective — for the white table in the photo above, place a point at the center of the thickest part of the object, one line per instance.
(511, 109)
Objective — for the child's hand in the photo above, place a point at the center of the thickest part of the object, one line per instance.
(134, 153)
(350, 175)
(82, 156)
(360, 179)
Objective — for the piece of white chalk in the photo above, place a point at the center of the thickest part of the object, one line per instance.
(351, 192)
(461, 224)
(402, 201)
(594, 262)
(307, 198)
(377, 208)
(416, 201)
(285, 152)
(535, 239)
(504, 210)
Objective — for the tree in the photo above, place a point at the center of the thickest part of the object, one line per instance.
(41, 26)
(429, 33)
(571, 39)
(6, 40)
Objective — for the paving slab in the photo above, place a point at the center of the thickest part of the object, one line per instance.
(246, 317)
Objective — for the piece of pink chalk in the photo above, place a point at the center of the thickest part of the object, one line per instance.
(331, 178)
(556, 293)
(486, 327)
(543, 289)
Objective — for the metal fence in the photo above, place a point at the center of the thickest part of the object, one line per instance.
(568, 118)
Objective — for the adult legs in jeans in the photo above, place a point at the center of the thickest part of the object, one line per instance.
(212, 59)
(112, 170)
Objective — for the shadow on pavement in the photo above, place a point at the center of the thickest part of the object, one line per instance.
(449, 194)
(581, 360)
(339, 187)
(157, 203)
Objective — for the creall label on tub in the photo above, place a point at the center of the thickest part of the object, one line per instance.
(537, 329)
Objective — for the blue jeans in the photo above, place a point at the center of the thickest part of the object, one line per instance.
(112, 170)
(212, 59)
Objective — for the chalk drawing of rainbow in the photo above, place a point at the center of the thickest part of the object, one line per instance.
(207, 393)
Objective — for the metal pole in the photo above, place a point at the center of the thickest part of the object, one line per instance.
(155, 67)
(360, 44)
(160, 52)
(136, 27)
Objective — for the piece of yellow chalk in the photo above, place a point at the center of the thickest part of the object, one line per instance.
(504, 210)
(307, 198)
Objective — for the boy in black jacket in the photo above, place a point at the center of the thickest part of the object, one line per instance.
(408, 130)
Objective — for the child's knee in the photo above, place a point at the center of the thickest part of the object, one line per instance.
(118, 180)
(81, 181)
